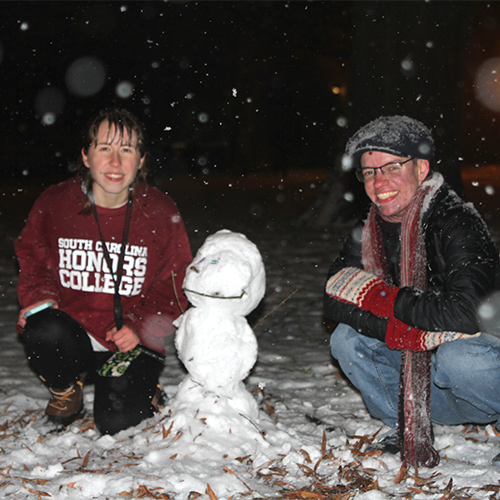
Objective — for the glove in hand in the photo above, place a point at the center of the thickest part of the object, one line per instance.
(363, 289)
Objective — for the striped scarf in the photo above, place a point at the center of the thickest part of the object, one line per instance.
(414, 423)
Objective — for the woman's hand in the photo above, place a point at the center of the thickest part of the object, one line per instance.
(125, 339)
(21, 320)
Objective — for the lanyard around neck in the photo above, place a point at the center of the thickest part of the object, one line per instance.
(117, 303)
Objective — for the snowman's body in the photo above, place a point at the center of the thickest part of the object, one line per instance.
(204, 350)
(224, 283)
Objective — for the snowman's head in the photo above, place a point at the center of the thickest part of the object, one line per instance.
(227, 274)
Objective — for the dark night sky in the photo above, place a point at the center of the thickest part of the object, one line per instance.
(219, 85)
(219, 79)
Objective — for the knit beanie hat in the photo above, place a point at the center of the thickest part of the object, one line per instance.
(397, 135)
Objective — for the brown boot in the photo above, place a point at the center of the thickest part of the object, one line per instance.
(65, 405)
(159, 399)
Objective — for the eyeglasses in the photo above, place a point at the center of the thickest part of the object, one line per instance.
(392, 169)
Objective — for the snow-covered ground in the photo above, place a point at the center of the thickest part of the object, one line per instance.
(308, 441)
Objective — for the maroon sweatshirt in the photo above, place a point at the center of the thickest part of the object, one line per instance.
(61, 258)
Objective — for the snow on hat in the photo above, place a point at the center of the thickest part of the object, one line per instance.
(397, 135)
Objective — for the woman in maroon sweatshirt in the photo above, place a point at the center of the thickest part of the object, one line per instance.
(108, 218)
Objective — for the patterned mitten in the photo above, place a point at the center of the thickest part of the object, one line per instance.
(403, 337)
(363, 289)
(356, 286)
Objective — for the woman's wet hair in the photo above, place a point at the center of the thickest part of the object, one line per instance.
(123, 124)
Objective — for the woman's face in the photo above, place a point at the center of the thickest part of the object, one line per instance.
(114, 160)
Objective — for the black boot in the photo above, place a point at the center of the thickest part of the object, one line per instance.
(386, 443)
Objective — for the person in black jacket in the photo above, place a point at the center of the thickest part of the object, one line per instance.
(412, 292)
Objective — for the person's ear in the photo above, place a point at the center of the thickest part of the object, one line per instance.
(423, 169)
(85, 158)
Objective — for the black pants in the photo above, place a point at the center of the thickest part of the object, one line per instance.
(60, 350)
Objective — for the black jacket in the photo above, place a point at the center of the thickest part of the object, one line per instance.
(462, 268)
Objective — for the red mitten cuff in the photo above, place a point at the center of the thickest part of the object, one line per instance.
(403, 337)
(365, 290)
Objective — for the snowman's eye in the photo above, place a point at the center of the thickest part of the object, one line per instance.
(195, 269)
(214, 261)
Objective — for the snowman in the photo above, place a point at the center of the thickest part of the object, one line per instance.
(224, 283)
(213, 414)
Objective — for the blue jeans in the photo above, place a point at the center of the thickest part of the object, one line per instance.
(465, 377)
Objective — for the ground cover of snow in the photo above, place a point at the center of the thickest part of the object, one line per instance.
(309, 437)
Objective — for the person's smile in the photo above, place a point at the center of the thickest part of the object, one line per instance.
(386, 196)
(114, 177)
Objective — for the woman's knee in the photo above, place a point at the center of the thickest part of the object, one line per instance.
(58, 347)
(51, 326)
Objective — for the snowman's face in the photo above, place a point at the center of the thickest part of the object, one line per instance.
(225, 275)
